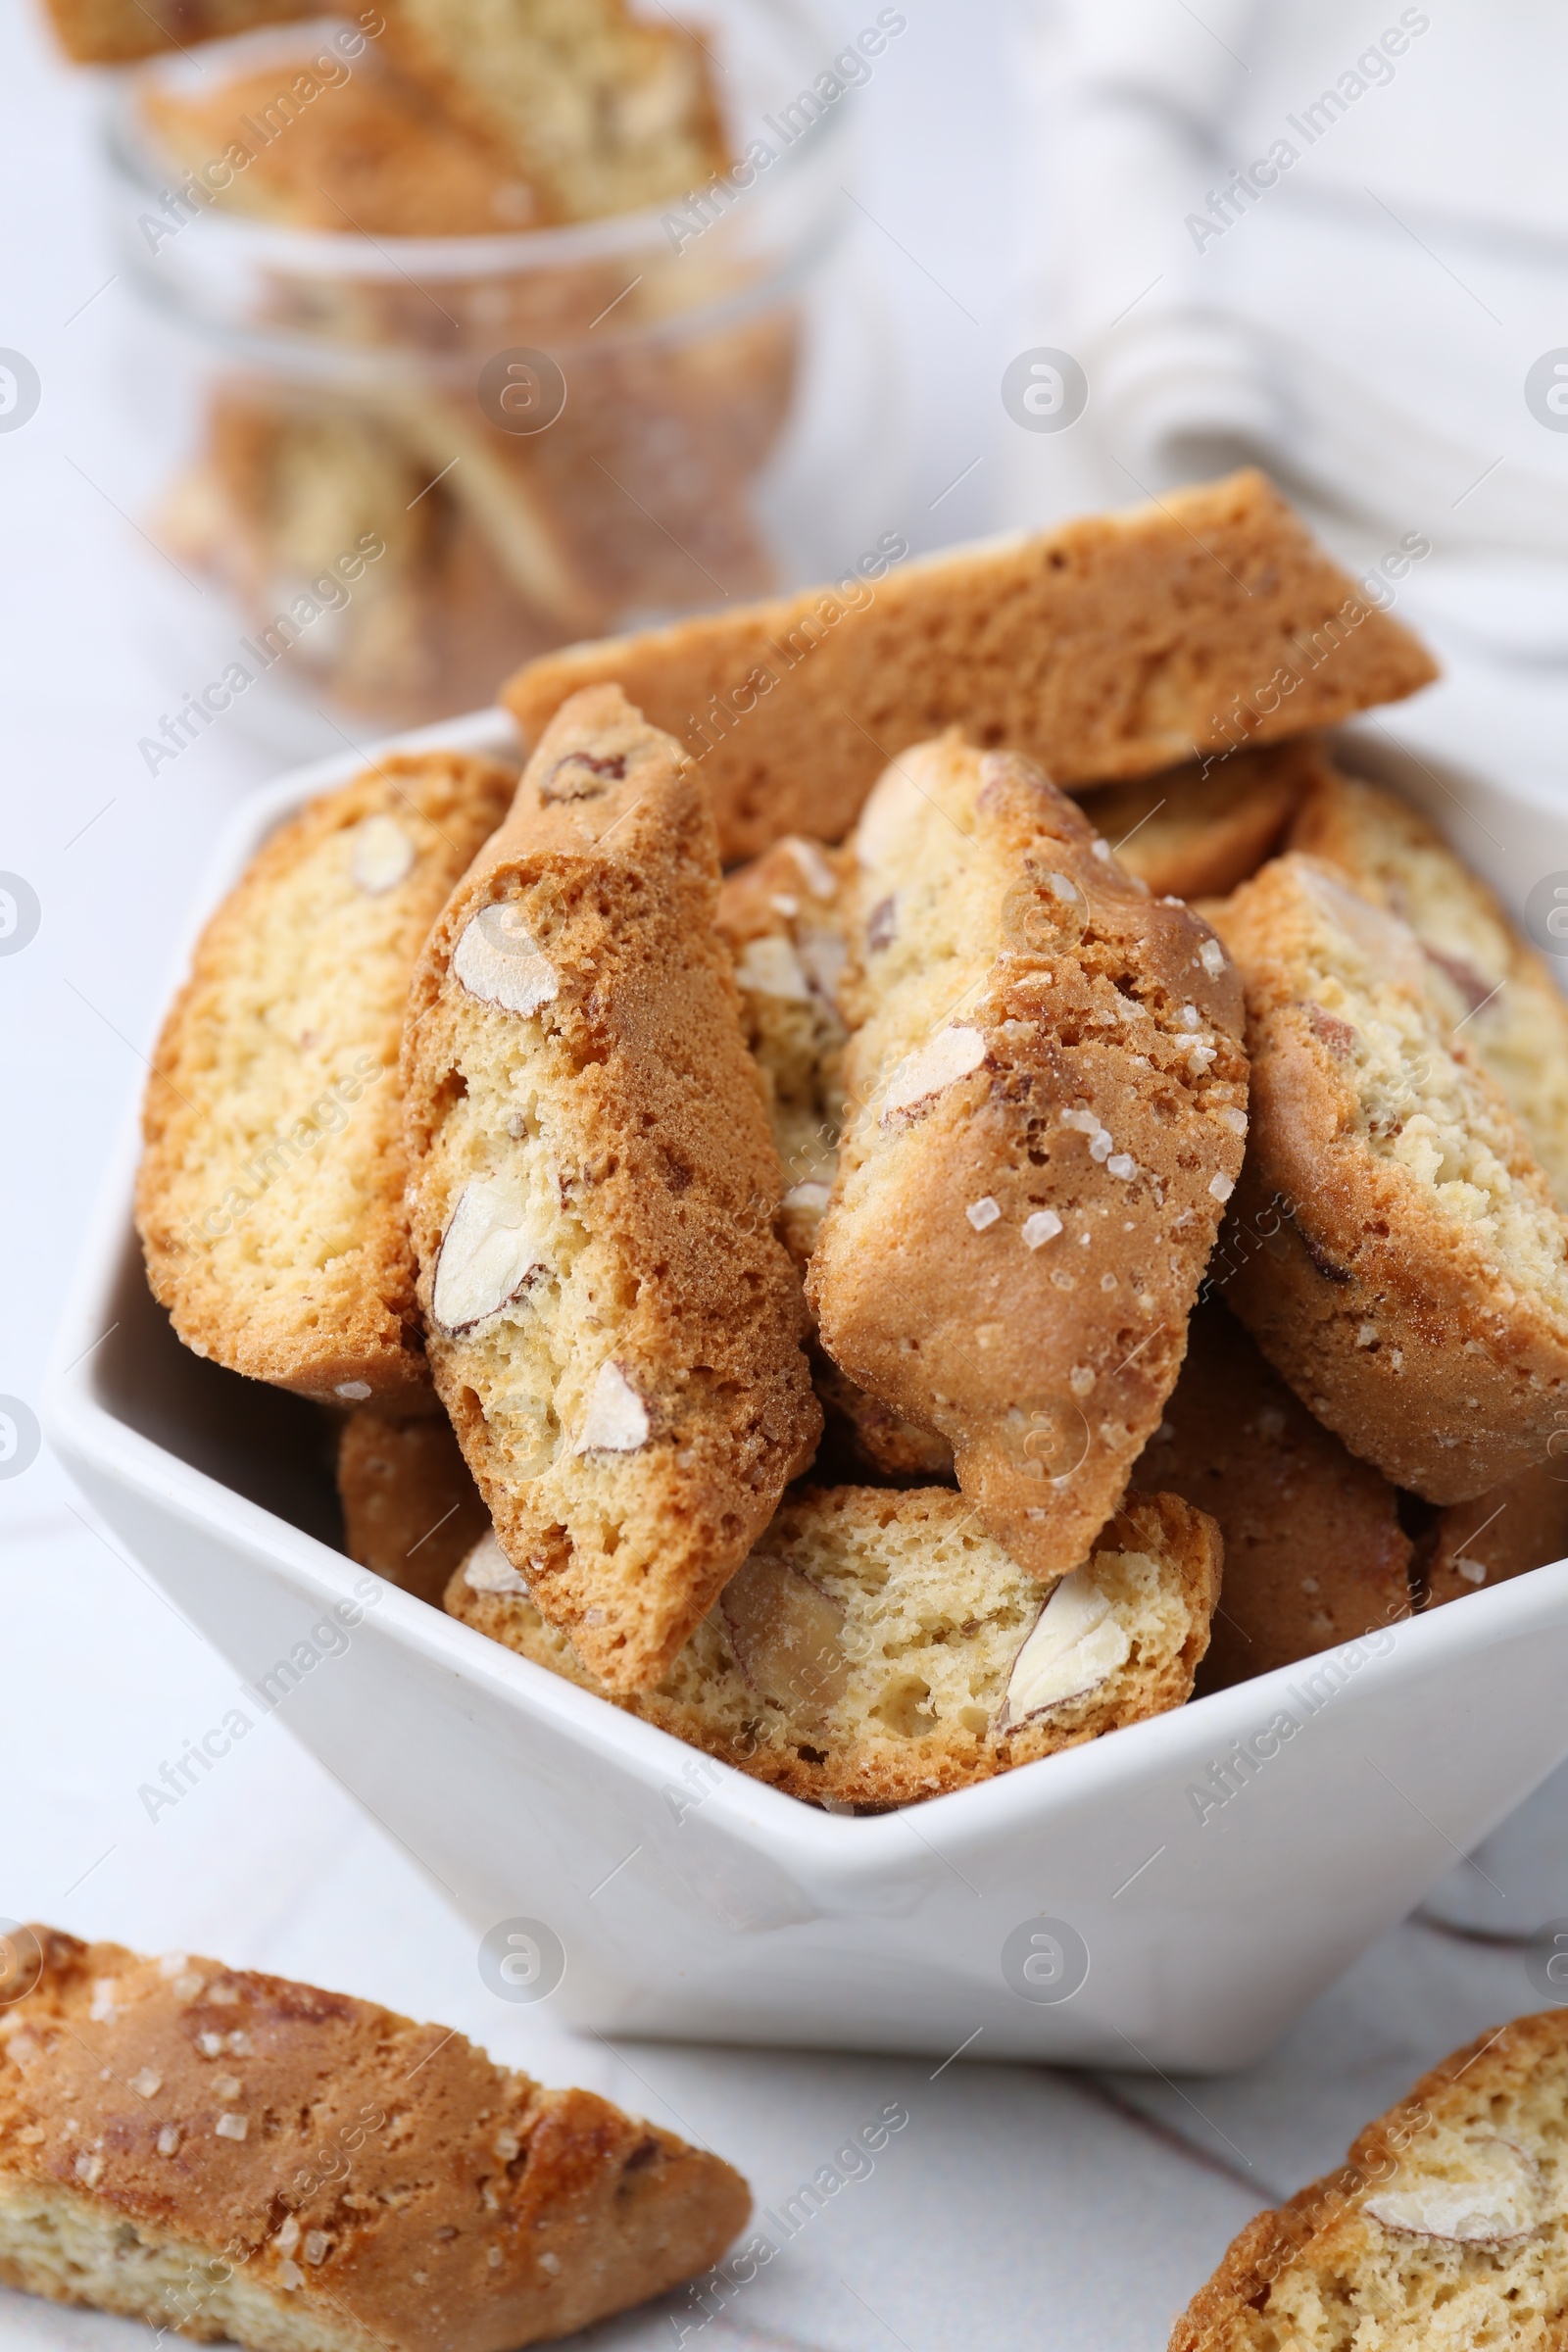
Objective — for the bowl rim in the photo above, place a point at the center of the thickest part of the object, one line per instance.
(830, 1851)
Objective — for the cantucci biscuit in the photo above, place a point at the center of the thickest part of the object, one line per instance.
(1501, 1533)
(608, 112)
(612, 1325)
(1489, 983)
(411, 1509)
(1108, 647)
(269, 1199)
(879, 1647)
(111, 32)
(784, 919)
(378, 156)
(1414, 1287)
(1048, 1104)
(231, 2155)
(1196, 831)
(1314, 1551)
(1443, 2231)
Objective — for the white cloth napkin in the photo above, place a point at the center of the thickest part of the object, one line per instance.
(1362, 326)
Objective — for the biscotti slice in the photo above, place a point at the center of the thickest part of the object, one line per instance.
(423, 615)
(1314, 1551)
(1048, 1100)
(1443, 2231)
(1107, 648)
(1411, 1278)
(607, 113)
(269, 1199)
(1196, 831)
(879, 1647)
(366, 152)
(612, 1325)
(1501, 1533)
(231, 2155)
(1489, 982)
(115, 32)
(411, 1509)
(783, 918)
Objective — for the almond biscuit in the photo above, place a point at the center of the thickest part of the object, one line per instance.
(411, 1509)
(1048, 1097)
(1416, 1295)
(1314, 1552)
(1108, 647)
(269, 1199)
(114, 33)
(606, 112)
(1443, 2231)
(1487, 982)
(1501, 1533)
(879, 1647)
(612, 1325)
(783, 918)
(1196, 831)
(230, 2155)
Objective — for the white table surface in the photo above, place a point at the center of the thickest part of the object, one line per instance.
(1020, 2204)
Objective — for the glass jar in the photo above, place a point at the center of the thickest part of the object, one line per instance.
(415, 462)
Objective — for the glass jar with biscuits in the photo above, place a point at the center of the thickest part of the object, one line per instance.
(488, 337)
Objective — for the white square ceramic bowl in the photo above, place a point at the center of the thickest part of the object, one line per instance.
(690, 1901)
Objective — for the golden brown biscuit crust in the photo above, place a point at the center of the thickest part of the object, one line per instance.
(1109, 647)
(897, 1755)
(1012, 1260)
(609, 111)
(635, 1094)
(1487, 983)
(1314, 1552)
(274, 1087)
(1199, 830)
(1501, 1533)
(370, 152)
(1394, 1320)
(411, 1509)
(1320, 2232)
(377, 2180)
(115, 32)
